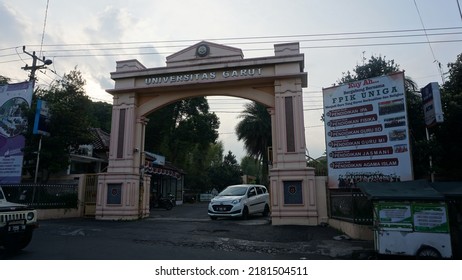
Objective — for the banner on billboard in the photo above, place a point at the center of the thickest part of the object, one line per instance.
(14, 99)
(42, 119)
(367, 135)
(431, 99)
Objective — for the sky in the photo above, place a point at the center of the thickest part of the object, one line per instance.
(421, 36)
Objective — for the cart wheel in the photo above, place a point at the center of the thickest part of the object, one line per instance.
(427, 252)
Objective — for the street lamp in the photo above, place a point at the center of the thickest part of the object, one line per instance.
(34, 66)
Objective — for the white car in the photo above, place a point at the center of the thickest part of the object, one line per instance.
(17, 223)
(240, 201)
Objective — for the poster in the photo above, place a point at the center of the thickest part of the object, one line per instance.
(14, 99)
(394, 215)
(367, 135)
(430, 217)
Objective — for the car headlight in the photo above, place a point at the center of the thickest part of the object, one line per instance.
(30, 216)
(236, 201)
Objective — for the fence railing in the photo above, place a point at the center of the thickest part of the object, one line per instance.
(43, 196)
(350, 205)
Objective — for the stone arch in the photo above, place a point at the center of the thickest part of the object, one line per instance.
(207, 69)
(153, 103)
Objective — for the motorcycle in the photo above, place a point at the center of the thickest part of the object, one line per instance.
(165, 203)
(161, 202)
(172, 199)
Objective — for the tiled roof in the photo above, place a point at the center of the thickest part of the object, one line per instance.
(101, 139)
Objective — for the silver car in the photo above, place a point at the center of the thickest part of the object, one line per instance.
(240, 201)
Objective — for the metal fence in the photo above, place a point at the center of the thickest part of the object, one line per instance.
(350, 205)
(43, 196)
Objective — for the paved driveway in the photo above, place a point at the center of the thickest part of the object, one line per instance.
(187, 233)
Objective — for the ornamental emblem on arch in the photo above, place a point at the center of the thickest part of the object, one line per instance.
(202, 50)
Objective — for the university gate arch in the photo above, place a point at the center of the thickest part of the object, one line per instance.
(206, 69)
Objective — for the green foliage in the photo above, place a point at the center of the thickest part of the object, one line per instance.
(255, 130)
(446, 148)
(225, 174)
(100, 114)
(376, 66)
(251, 166)
(184, 132)
(69, 125)
(319, 165)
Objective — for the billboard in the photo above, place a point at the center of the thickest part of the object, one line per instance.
(367, 135)
(431, 99)
(14, 98)
(42, 119)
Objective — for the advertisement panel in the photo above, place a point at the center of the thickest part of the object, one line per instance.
(42, 119)
(431, 99)
(14, 99)
(394, 215)
(367, 135)
(430, 217)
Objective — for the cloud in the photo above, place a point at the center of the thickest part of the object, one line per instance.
(13, 21)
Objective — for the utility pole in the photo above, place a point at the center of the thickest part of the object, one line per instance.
(34, 66)
(32, 69)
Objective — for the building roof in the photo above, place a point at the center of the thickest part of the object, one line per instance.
(100, 139)
(449, 189)
(409, 190)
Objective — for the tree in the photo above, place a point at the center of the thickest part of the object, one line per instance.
(255, 130)
(252, 167)
(378, 66)
(225, 174)
(100, 114)
(184, 132)
(69, 125)
(447, 150)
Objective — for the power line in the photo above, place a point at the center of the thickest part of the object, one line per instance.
(44, 25)
(248, 43)
(260, 49)
(460, 11)
(258, 37)
(429, 43)
(246, 38)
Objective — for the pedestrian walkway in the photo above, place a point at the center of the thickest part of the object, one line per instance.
(257, 233)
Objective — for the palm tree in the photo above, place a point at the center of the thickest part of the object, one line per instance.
(255, 130)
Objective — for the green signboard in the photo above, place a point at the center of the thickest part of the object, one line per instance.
(407, 216)
(430, 217)
(394, 215)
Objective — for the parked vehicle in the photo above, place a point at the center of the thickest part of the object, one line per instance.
(240, 201)
(17, 223)
(189, 197)
(161, 202)
(172, 199)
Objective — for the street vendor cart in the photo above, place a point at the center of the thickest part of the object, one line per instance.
(410, 219)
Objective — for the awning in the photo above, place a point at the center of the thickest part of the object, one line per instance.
(409, 190)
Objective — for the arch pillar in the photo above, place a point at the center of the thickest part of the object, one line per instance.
(292, 183)
(122, 194)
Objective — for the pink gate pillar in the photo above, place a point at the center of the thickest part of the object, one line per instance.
(292, 183)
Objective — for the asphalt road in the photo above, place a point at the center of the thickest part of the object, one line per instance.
(185, 233)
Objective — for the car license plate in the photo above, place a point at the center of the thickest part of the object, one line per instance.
(221, 208)
(16, 226)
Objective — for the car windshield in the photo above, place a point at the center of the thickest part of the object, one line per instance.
(234, 191)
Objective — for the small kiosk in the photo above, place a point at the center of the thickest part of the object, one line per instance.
(410, 219)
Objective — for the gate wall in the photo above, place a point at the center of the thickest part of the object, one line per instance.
(211, 69)
(90, 191)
